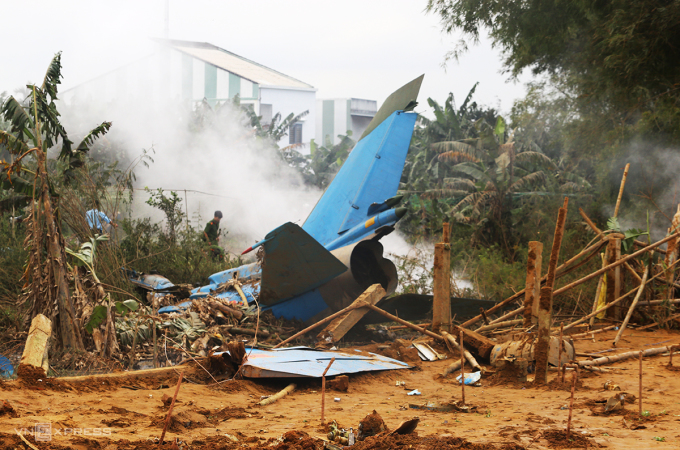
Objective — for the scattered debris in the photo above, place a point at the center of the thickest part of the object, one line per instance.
(279, 395)
(371, 425)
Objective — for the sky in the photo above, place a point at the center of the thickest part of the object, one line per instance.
(349, 48)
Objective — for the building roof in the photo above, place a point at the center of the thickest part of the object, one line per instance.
(238, 65)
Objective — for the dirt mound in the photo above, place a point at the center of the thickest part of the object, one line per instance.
(298, 440)
(411, 441)
(558, 439)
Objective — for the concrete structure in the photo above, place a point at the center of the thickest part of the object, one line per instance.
(193, 71)
(336, 116)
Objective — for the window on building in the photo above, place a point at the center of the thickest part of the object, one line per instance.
(266, 114)
(295, 133)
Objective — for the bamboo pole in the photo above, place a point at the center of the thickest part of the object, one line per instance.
(609, 305)
(279, 395)
(632, 307)
(562, 270)
(493, 326)
(471, 359)
(560, 344)
(318, 324)
(462, 369)
(623, 184)
(659, 322)
(587, 333)
(617, 263)
(623, 356)
(172, 405)
(323, 388)
(542, 345)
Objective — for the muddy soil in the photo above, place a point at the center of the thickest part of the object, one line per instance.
(226, 415)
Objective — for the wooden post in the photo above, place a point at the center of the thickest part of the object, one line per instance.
(532, 291)
(545, 301)
(623, 184)
(640, 403)
(441, 307)
(614, 277)
(31, 365)
(323, 388)
(462, 369)
(560, 344)
(571, 404)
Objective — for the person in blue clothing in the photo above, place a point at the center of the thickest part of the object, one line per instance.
(96, 220)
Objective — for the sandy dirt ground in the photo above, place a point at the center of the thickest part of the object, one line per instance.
(225, 415)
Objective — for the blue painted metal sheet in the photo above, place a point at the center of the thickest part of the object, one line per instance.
(300, 362)
(370, 174)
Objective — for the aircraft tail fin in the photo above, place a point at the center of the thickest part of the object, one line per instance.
(294, 263)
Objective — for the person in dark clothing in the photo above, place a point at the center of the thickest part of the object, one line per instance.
(211, 235)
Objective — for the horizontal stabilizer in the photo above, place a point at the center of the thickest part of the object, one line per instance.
(294, 263)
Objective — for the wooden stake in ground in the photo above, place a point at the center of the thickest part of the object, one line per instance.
(571, 404)
(462, 369)
(532, 291)
(545, 302)
(441, 303)
(172, 405)
(323, 389)
(640, 393)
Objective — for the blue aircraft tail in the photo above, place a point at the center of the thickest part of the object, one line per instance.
(370, 176)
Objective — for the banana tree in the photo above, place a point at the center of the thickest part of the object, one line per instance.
(34, 127)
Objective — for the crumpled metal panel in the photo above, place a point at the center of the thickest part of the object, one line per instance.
(297, 362)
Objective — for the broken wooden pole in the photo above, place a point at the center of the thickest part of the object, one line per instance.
(337, 329)
(318, 324)
(502, 319)
(224, 309)
(632, 307)
(533, 283)
(545, 301)
(483, 313)
(279, 395)
(33, 363)
(482, 344)
(471, 359)
(623, 356)
(640, 394)
(172, 405)
(571, 404)
(462, 369)
(441, 303)
(323, 388)
(560, 344)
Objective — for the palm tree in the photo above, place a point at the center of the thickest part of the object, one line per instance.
(35, 128)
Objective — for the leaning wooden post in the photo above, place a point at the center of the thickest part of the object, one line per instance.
(323, 388)
(441, 310)
(462, 369)
(172, 405)
(545, 301)
(532, 291)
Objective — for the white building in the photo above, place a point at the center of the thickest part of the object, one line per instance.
(336, 116)
(193, 71)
